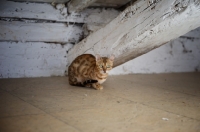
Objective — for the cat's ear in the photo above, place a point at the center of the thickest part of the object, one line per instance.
(112, 57)
(98, 57)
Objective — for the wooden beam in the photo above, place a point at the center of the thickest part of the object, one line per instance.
(141, 28)
(45, 11)
(79, 5)
(110, 3)
(39, 32)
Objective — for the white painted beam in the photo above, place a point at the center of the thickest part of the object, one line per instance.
(79, 5)
(111, 3)
(142, 27)
(179, 55)
(39, 32)
(45, 11)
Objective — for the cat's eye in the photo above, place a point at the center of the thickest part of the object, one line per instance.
(100, 66)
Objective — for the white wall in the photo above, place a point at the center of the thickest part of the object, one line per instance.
(32, 59)
(38, 59)
(179, 55)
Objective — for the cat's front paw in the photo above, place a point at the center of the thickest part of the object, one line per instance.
(99, 87)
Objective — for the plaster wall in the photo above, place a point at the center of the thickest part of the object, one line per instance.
(32, 59)
(39, 59)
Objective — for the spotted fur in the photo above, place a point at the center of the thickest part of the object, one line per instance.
(90, 71)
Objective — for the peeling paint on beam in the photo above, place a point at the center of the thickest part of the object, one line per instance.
(141, 28)
(179, 55)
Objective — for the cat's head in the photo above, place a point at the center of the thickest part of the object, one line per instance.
(104, 64)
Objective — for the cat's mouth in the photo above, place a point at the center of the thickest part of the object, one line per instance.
(104, 72)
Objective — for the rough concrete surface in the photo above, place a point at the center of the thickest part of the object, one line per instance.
(128, 103)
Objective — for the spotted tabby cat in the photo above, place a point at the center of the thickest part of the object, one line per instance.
(90, 71)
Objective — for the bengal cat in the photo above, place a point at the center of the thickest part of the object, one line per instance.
(90, 71)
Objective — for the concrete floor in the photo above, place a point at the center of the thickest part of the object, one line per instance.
(129, 103)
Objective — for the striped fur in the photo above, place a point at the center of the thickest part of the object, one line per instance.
(89, 82)
(89, 71)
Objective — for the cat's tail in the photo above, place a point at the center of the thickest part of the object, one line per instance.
(89, 81)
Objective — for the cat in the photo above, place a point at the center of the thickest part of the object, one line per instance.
(90, 71)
